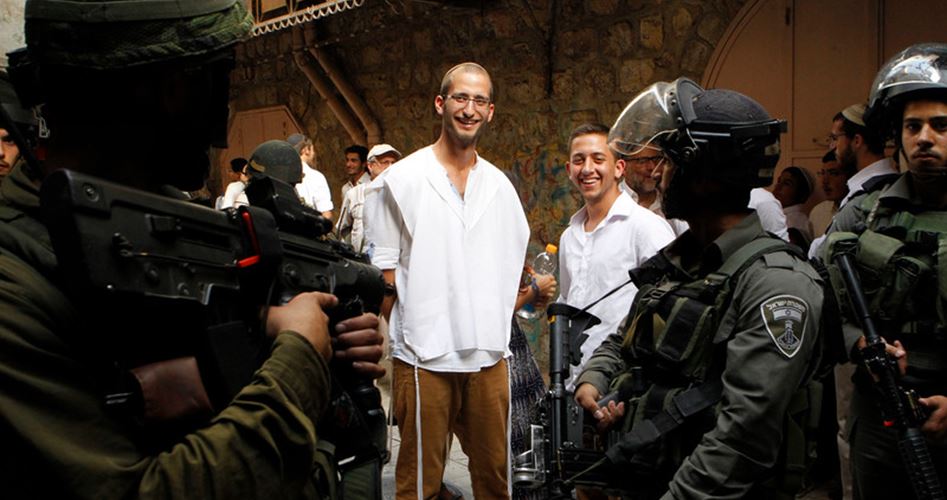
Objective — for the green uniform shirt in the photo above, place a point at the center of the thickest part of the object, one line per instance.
(58, 442)
(759, 379)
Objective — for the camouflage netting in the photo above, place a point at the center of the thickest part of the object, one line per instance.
(111, 44)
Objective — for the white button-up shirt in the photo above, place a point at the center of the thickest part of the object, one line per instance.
(593, 263)
(314, 189)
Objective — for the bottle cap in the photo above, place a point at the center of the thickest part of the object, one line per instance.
(550, 248)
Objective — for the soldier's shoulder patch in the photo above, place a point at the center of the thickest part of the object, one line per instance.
(785, 320)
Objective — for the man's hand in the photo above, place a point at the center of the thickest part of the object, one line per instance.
(304, 315)
(895, 350)
(587, 396)
(547, 290)
(936, 425)
(358, 340)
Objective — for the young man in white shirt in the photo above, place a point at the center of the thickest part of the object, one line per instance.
(314, 189)
(605, 239)
(448, 230)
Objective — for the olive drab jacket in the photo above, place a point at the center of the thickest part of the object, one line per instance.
(58, 440)
(900, 250)
(759, 344)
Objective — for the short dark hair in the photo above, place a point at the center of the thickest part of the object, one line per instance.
(873, 140)
(589, 128)
(360, 150)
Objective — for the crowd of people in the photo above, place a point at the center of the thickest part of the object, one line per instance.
(717, 348)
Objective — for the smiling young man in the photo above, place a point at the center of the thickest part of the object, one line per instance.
(356, 167)
(605, 239)
(449, 232)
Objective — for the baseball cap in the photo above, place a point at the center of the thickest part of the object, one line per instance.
(382, 149)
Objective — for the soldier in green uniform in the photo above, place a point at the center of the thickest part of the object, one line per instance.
(897, 232)
(723, 337)
(136, 92)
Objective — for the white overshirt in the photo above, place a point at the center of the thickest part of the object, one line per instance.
(350, 216)
(770, 212)
(348, 186)
(457, 260)
(855, 184)
(314, 189)
(593, 263)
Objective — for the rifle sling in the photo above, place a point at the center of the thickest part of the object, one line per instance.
(685, 404)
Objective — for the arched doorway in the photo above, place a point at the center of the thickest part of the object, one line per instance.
(804, 60)
(247, 130)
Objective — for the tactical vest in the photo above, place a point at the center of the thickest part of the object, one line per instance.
(677, 346)
(901, 260)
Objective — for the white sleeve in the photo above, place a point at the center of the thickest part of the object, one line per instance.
(232, 194)
(321, 196)
(382, 225)
(770, 212)
(565, 280)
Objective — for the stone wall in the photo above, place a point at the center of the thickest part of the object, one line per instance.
(552, 72)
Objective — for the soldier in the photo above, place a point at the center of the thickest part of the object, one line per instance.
(726, 323)
(122, 81)
(899, 231)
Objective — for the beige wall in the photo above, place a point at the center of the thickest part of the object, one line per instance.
(11, 28)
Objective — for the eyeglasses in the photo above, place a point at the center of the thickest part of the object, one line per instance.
(385, 161)
(646, 160)
(463, 99)
(833, 137)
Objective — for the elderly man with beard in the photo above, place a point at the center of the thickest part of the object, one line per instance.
(642, 187)
(449, 232)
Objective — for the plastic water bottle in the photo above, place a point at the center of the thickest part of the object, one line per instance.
(544, 263)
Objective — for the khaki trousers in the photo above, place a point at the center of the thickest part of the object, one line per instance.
(472, 405)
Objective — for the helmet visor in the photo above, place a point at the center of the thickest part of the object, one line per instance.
(657, 111)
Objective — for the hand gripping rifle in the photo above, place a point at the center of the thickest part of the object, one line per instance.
(558, 459)
(176, 296)
(899, 407)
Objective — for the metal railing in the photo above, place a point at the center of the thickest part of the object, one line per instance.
(268, 19)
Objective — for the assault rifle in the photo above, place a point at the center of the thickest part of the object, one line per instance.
(899, 406)
(177, 296)
(558, 459)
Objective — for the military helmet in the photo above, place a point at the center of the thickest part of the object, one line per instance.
(917, 71)
(277, 159)
(715, 133)
(110, 34)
